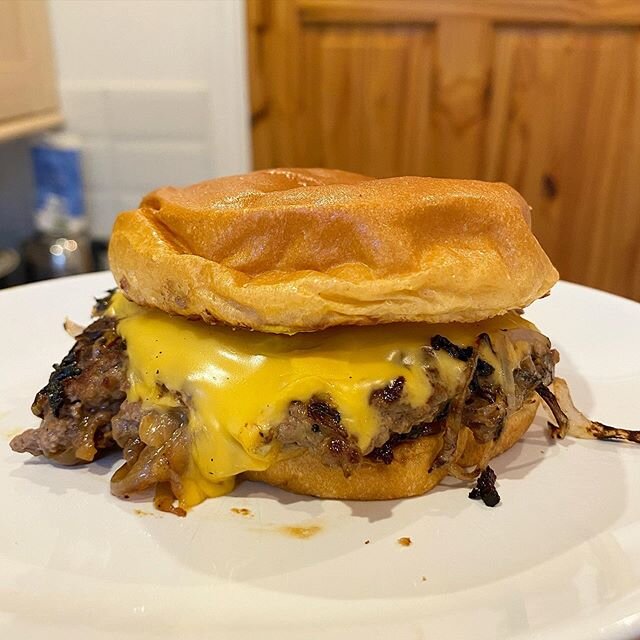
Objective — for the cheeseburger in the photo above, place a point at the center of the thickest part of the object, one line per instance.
(320, 331)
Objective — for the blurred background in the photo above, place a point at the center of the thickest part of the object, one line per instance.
(542, 94)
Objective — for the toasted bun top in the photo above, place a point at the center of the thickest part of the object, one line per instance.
(288, 250)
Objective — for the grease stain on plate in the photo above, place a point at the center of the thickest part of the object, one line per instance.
(301, 532)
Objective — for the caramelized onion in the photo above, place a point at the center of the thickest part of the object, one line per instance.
(572, 422)
(460, 473)
(153, 464)
(157, 428)
(164, 500)
(73, 328)
(529, 336)
(503, 350)
(453, 422)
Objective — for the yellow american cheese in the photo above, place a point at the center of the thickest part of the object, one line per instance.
(238, 383)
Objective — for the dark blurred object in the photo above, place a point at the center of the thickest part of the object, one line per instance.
(60, 246)
(99, 249)
(9, 267)
(50, 256)
(13, 267)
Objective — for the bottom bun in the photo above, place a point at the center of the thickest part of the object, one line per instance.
(406, 476)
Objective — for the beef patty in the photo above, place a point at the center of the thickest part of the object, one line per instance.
(83, 394)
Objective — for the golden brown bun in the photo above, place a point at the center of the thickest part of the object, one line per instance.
(405, 476)
(290, 250)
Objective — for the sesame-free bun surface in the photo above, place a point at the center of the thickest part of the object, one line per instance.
(406, 475)
(290, 250)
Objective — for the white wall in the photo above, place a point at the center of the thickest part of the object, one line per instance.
(157, 89)
(133, 40)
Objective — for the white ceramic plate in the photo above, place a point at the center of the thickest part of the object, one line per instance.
(558, 558)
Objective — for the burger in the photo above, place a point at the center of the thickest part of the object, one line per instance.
(320, 331)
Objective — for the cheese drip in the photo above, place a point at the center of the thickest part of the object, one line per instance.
(238, 384)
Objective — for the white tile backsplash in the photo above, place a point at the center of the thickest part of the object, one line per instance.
(135, 140)
(84, 110)
(128, 201)
(147, 165)
(101, 212)
(97, 163)
(158, 113)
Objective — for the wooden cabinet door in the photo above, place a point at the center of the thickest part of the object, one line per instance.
(28, 96)
(542, 95)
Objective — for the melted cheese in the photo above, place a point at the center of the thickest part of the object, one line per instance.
(238, 384)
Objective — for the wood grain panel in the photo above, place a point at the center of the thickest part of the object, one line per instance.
(576, 12)
(356, 110)
(27, 81)
(464, 51)
(260, 97)
(11, 48)
(563, 130)
(275, 72)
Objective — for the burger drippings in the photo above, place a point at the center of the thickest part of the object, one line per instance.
(485, 488)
